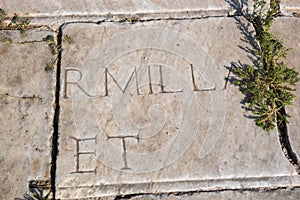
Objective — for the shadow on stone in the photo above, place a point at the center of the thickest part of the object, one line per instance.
(243, 23)
(260, 82)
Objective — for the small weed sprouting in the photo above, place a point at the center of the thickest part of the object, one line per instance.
(19, 24)
(51, 43)
(35, 194)
(2, 15)
(5, 39)
(2, 18)
(53, 48)
(268, 84)
(38, 190)
(50, 66)
(67, 39)
(15, 22)
(15, 19)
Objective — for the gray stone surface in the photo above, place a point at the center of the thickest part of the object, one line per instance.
(36, 8)
(279, 194)
(290, 6)
(134, 137)
(25, 112)
(288, 29)
(143, 103)
(55, 13)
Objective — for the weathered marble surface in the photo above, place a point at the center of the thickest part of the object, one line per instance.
(278, 194)
(38, 8)
(25, 112)
(199, 140)
(290, 7)
(165, 122)
(88, 9)
(54, 13)
(288, 30)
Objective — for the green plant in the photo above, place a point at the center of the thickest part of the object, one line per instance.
(67, 39)
(2, 18)
(36, 194)
(5, 39)
(53, 48)
(2, 15)
(51, 43)
(267, 84)
(19, 24)
(50, 66)
(15, 22)
(38, 190)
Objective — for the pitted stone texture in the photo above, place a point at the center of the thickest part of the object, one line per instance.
(25, 112)
(290, 7)
(288, 29)
(135, 136)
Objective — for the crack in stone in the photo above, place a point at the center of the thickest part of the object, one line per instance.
(139, 17)
(193, 192)
(29, 27)
(22, 97)
(199, 12)
(286, 145)
(281, 125)
(56, 113)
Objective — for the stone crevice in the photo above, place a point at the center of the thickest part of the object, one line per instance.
(22, 97)
(286, 145)
(56, 112)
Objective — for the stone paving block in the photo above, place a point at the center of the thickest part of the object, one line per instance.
(60, 8)
(290, 7)
(55, 13)
(26, 109)
(144, 109)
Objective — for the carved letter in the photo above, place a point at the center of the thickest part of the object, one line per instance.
(149, 79)
(126, 167)
(73, 83)
(162, 87)
(78, 153)
(106, 73)
(134, 73)
(195, 88)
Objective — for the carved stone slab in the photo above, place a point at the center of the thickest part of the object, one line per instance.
(145, 108)
(25, 111)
